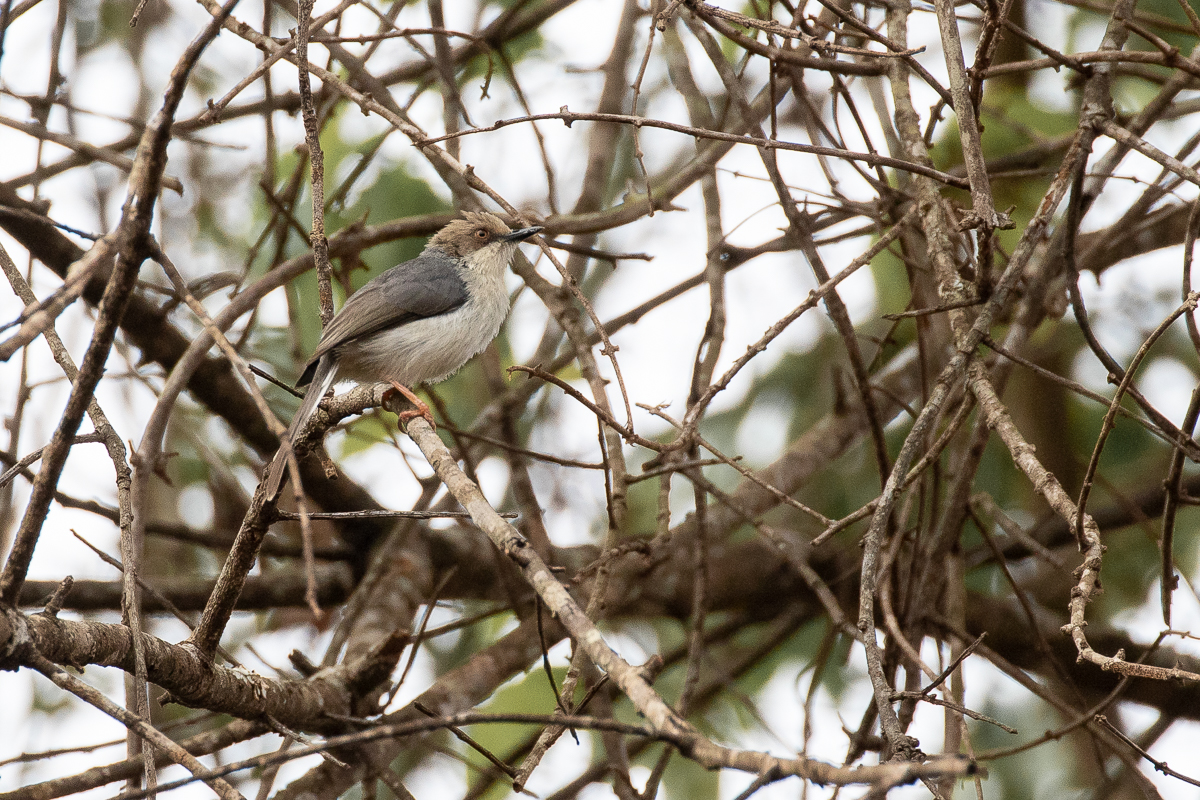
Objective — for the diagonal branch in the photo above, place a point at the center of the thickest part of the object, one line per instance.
(664, 721)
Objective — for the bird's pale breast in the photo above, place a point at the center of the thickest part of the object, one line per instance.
(431, 349)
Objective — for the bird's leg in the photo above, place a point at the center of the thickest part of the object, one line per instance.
(421, 410)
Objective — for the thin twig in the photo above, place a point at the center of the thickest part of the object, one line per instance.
(568, 117)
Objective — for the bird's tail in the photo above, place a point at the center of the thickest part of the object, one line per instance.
(324, 377)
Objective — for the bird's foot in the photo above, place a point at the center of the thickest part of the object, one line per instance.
(421, 410)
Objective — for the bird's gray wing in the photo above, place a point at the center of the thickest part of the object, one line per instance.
(426, 286)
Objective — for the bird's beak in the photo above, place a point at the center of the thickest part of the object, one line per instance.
(524, 233)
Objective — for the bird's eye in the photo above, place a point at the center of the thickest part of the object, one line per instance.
(481, 234)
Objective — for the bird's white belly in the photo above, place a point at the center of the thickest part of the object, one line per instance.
(425, 350)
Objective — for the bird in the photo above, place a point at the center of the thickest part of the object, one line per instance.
(418, 322)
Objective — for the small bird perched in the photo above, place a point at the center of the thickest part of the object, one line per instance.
(416, 323)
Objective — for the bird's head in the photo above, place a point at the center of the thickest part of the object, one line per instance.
(480, 239)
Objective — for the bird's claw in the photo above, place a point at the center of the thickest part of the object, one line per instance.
(421, 410)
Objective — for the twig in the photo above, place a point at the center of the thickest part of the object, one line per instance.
(316, 158)
(91, 151)
(32, 458)
(1088, 573)
(657, 713)
(1110, 417)
(568, 117)
(925, 697)
(1166, 161)
(151, 590)
(41, 316)
(983, 214)
(377, 514)
(600, 413)
(134, 724)
(775, 330)
(1159, 766)
(462, 736)
(1169, 433)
